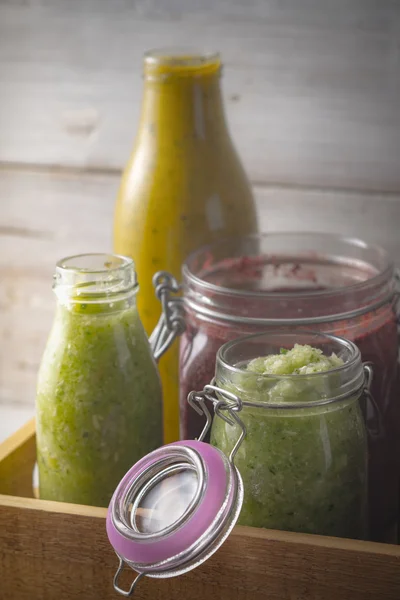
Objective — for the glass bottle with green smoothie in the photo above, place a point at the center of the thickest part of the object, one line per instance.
(99, 399)
(303, 458)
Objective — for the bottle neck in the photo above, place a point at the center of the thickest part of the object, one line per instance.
(103, 306)
(182, 99)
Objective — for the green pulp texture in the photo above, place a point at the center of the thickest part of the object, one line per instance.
(303, 469)
(99, 402)
(300, 360)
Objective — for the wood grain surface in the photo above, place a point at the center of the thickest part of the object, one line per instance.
(312, 88)
(17, 459)
(51, 550)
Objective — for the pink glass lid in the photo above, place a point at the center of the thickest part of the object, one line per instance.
(173, 509)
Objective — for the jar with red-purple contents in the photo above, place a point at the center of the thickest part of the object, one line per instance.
(292, 280)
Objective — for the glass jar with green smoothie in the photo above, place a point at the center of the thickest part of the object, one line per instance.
(99, 399)
(303, 458)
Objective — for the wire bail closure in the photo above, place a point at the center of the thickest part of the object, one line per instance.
(228, 402)
(125, 593)
(171, 323)
(396, 301)
(368, 373)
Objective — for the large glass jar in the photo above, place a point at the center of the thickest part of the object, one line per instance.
(99, 401)
(303, 458)
(184, 185)
(301, 281)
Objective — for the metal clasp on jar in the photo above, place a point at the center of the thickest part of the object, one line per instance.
(172, 321)
(396, 303)
(375, 412)
(226, 406)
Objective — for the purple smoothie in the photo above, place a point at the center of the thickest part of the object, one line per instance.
(354, 300)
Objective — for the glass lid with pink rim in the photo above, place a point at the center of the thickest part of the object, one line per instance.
(175, 507)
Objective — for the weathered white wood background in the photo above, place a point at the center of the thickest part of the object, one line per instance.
(312, 91)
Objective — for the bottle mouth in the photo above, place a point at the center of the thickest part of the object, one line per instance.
(181, 62)
(94, 263)
(94, 277)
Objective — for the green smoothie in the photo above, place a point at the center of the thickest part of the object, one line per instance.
(304, 469)
(99, 401)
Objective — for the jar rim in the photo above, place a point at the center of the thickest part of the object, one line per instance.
(343, 383)
(280, 278)
(381, 275)
(355, 355)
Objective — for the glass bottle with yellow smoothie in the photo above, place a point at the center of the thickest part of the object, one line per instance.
(183, 187)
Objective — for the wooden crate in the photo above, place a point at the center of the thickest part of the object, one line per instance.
(57, 551)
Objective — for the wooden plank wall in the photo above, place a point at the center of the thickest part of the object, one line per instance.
(312, 92)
